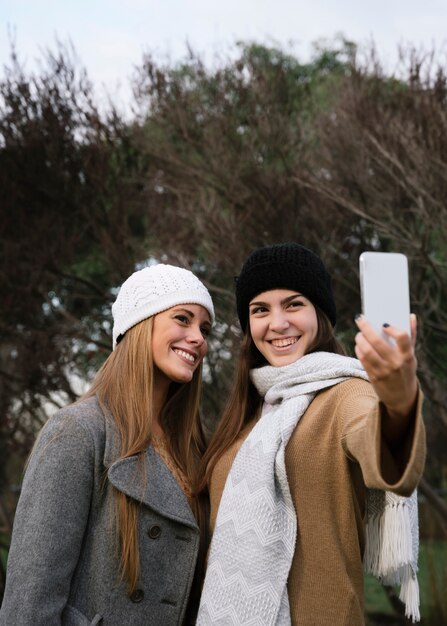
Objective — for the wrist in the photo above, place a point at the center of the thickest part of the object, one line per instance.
(405, 409)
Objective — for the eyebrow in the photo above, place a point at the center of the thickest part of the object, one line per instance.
(285, 301)
(181, 308)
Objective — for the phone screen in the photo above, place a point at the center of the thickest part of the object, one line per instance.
(385, 290)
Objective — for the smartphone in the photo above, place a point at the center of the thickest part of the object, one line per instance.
(385, 292)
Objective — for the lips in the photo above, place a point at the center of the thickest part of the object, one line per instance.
(186, 354)
(283, 342)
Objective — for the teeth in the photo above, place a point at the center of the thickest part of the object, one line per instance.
(281, 343)
(185, 355)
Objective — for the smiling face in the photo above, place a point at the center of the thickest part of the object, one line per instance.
(283, 325)
(179, 343)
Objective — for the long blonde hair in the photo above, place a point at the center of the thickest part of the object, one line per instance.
(244, 403)
(124, 386)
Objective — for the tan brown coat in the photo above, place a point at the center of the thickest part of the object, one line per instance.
(334, 454)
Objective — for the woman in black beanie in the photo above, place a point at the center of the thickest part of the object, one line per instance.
(313, 468)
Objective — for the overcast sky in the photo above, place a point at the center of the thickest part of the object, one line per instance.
(110, 36)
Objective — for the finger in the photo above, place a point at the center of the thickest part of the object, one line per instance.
(403, 340)
(365, 327)
(381, 346)
(414, 328)
(366, 363)
(366, 352)
(359, 354)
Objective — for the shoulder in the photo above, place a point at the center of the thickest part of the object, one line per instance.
(78, 425)
(67, 450)
(82, 409)
(350, 396)
(86, 414)
(348, 388)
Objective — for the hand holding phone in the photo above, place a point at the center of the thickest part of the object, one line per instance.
(391, 367)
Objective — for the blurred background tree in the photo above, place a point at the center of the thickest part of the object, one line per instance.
(261, 148)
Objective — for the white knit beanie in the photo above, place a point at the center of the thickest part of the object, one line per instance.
(155, 289)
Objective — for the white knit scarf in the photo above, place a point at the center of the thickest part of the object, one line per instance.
(254, 538)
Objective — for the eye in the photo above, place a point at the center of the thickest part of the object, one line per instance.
(205, 330)
(295, 304)
(182, 318)
(258, 309)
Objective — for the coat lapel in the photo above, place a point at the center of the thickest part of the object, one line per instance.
(152, 484)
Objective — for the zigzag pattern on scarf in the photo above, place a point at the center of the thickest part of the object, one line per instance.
(258, 512)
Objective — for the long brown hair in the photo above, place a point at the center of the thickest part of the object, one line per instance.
(124, 386)
(244, 401)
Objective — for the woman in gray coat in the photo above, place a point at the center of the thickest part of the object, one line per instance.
(108, 529)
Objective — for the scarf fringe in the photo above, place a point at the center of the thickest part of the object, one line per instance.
(389, 553)
(409, 594)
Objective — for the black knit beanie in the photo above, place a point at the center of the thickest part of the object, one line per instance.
(284, 266)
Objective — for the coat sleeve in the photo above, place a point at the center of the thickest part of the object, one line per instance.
(49, 525)
(398, 470)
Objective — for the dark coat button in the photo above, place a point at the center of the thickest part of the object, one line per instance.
(154, 532)
(137, 595)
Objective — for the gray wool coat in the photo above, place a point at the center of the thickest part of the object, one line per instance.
(62, 566)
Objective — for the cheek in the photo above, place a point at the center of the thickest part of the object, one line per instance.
(255, 329)
(313, 326)
(160, 345)
(257, 340)
(204, 350)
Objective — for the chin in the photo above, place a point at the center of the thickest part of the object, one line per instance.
(279, 362)
(182, 378)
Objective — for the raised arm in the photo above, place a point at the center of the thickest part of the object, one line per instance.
(392, 372)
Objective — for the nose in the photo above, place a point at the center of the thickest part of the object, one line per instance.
(278, 321)
(195, 336)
